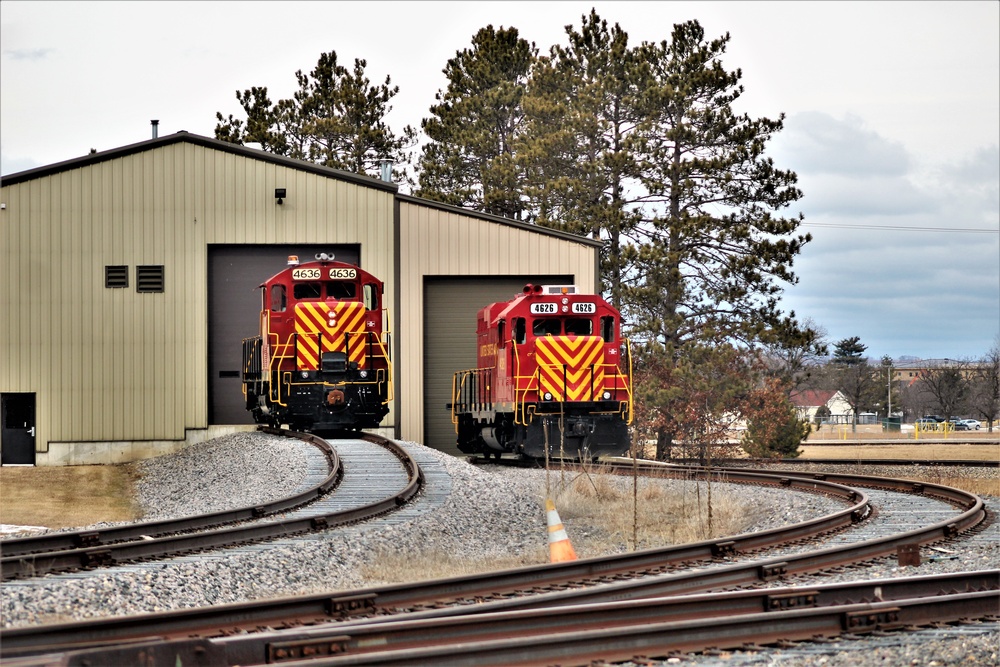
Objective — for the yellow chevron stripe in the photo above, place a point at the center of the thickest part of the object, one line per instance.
(312, 320)
(564, 360)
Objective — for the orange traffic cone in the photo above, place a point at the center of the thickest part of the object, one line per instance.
(560, 548)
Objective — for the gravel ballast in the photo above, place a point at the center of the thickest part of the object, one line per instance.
(486, 513)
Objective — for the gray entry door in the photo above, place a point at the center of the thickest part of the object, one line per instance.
(451, 305)
(17, 429)
(235, 273)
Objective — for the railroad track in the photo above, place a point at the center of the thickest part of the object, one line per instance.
(315, 509)
(637, 576)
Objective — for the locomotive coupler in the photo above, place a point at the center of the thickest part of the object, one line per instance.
(579, 427)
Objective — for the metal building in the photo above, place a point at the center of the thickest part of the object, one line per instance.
(130, 277)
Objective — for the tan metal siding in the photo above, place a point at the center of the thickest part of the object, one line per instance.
(437, 242)
(117, 365)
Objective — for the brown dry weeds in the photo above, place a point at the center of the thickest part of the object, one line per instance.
(66, 496)
(597, 509)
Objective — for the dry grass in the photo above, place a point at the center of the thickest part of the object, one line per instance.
(973, 482)
(597, 510)
(904, 452)
(65, 496)
(603, 506)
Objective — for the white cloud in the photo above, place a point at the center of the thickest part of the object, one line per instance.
(818, 143)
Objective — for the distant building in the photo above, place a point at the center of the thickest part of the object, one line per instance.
(906, 374)
(808, 402)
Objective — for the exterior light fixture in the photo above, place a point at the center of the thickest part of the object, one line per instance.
(279, 194)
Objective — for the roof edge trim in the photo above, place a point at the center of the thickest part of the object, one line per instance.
(510, 222)
(215, 144)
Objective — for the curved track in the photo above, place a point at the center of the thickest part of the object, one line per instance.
(636, 576)
(380, 477)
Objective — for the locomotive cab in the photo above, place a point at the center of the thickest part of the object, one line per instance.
(552, 378)
(321, 361)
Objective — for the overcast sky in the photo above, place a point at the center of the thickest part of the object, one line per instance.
(893, 118)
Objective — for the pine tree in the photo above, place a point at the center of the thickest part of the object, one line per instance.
(586, 112)
(856, 378)
(470, 158)
(336, 118)
(715, 251)
(849, 351)
(718, 253)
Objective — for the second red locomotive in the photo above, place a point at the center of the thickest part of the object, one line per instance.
(321, 361)
(553, 375)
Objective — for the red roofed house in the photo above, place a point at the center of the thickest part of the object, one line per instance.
(808, 401)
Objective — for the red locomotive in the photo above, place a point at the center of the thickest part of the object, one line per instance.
(553, 374)
(321, 361)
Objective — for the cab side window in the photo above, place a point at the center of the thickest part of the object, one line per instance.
(520, 330)
(608, 329)
(279, 301)
(371, 296)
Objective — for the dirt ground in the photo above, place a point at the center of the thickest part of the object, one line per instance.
(65, 496)
(868, 432)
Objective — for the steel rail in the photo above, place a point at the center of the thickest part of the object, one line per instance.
(101, 536)
(389, 598)
(33, 564)
(585, 647)
(958, 463)
(414, 634)
(545, 579)
(399, 637)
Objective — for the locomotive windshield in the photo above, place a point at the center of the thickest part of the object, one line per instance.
(341, 290)
(335, 290)
(303, 291)
(553, 326)
(548, 326)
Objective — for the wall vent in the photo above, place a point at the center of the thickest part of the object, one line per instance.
(116, 276)
(149, 278)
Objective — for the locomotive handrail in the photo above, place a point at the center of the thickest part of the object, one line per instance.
(630, 413)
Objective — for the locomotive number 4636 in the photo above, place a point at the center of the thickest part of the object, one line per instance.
(315, 274)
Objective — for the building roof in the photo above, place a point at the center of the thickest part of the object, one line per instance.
(811, 398)
(302, 165)
(215, 144)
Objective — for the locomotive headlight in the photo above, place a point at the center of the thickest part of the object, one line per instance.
(565, 309)
(363, 374)
(607, 396)
(547, 396)
(565, 301)
(304, 374)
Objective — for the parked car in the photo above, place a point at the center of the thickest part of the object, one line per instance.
(968, 425)
(926, 421)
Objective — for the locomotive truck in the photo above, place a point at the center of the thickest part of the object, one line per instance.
(321, 360)
(553, 378)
